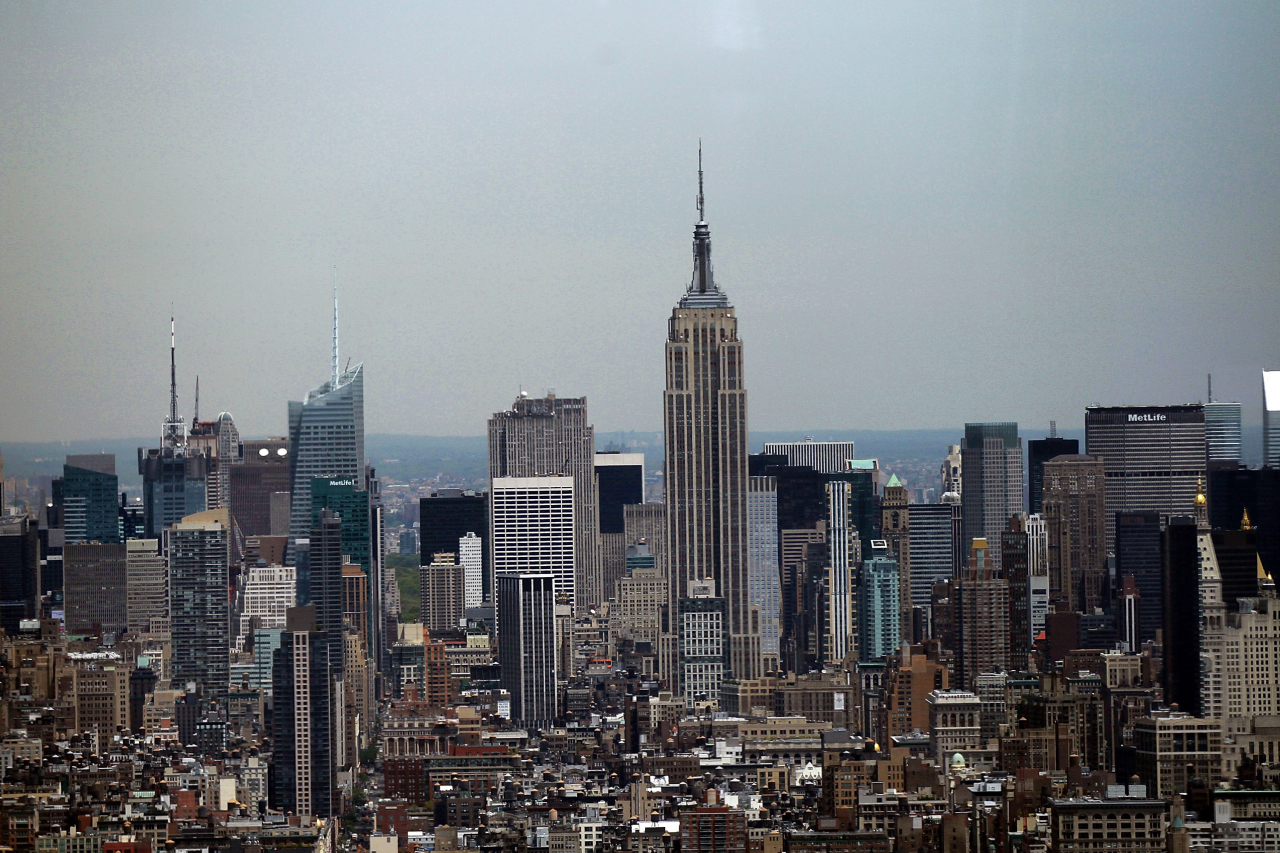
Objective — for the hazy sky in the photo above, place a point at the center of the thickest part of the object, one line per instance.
(925, 214)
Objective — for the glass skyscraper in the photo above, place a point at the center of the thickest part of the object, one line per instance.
(326, 439)
(90, 490)
(1222, 430)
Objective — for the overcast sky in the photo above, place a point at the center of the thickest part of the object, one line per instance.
(925, 214)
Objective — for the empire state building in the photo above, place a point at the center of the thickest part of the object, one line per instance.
(706, 462)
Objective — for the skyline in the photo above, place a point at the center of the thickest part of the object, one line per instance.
(1106, 205)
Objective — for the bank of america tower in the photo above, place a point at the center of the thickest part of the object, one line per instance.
(706, 459)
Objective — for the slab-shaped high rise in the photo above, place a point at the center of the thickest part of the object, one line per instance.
(705, 405)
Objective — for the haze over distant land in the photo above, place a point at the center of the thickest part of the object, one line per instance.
(924, 215)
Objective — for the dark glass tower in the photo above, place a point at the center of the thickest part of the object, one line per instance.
(1138, 555)
(1181, 563)
(19, 571)
(1040, 451)
(90, 494)
(446, 517)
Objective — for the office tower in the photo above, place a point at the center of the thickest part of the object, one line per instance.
(1180, 559)
(173, 475)
(1014, 560)
(132, 519)
(936, 552)
(471, 558)
(647, 523)
(641, 600)
(441, 586)
(1250, 658)
(1038, 574)
(95, 587)
(705, 433)
(619, 483)
(895, 527)
(762, 564)
(353, 506)
(1129, 614)
(265, 595)
(527, 642)
(303, 730)
(826, 457)
(355, 600)
(326, 435)
(951, 481)
(1271, 418)
(1234, 491)
(20, 580)
(1075, 515)
(1237, 555)
(147, 572)
(262, 474)
(199, 612)
(1222, 428)
(533, 527)
(1138, 555)
(327, 556)
(219, 442)
(992, 477)
(841, 581)
(350, 503)
(1154, 457)
(1040, 451)
(982, 610)
(701, 626)
(446, 517)
(552, 437)
(90, 498)
(879, 622)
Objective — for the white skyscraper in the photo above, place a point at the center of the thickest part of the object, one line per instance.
(266, 592)
(471, 556)
(765, 582)
(829, 457)
(532, 528)
(1271, 417)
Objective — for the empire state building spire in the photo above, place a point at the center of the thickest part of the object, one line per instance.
(705, 442)
(703, 292)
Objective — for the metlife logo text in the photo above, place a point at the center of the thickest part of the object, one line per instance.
(1147, 418)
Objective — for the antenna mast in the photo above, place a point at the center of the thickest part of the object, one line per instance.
(334, 383)
(195, 413)
(702, 216)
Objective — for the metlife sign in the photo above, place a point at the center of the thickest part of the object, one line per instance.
(1148, 417)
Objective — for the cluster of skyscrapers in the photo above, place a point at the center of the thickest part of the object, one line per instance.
(259, 562)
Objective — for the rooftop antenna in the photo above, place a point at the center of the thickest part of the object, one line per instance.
(702, 216)
(1210, 387)
(1053, 429)
(335, 326)
(195, 414)
(173, 370)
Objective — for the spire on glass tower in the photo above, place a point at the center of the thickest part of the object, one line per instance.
(175, 433)
(702, 288)
(334, 371)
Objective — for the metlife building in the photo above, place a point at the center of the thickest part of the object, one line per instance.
(1154, 457)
